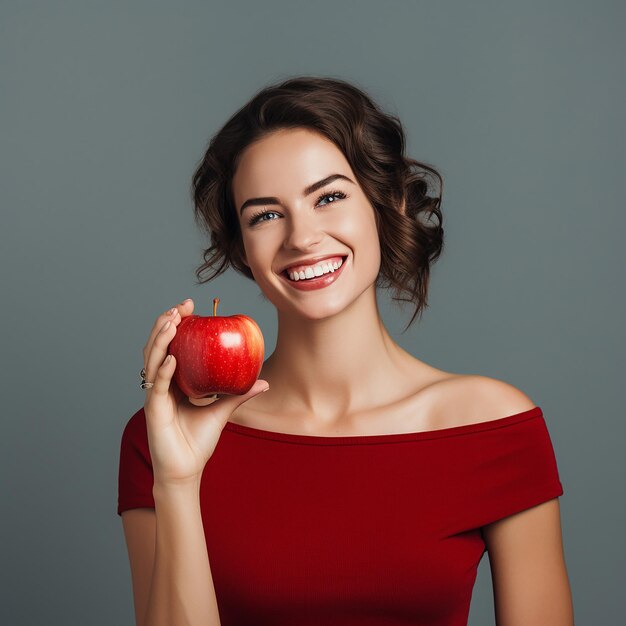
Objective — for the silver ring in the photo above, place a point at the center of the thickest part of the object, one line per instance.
(144, 384)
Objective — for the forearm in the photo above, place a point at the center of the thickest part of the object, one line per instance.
(181, 591)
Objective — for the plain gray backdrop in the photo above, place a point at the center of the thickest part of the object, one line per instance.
(107, 108)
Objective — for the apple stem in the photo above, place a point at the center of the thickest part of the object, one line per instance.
(215, 302)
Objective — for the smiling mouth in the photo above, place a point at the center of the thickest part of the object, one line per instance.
(285, 273)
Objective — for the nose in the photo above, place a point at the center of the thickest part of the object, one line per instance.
(302, 232)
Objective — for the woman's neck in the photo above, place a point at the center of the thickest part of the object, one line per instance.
(338, 365)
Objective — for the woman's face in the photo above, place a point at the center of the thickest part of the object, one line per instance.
(282, 224)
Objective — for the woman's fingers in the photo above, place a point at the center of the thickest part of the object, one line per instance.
(158, 324)
(227, 403)
(164, 377)
(157, 356)
(180, 310)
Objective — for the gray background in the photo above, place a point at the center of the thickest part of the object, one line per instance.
(107, 107)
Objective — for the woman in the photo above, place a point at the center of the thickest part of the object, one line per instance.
(365, 487)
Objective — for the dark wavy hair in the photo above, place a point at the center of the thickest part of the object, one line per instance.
(404, 193)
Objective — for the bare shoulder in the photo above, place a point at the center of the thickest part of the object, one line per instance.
(472, 398)
(497, 396)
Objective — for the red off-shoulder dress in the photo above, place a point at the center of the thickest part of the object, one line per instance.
(361, 530)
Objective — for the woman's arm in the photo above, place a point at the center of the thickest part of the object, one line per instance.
(140, 533)
(530, 582)
(171, 573)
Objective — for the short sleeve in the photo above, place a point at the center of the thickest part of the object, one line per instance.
(507, 469)
(135, 477)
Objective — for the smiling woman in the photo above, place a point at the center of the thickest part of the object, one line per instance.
(366, 485)
(404, 194)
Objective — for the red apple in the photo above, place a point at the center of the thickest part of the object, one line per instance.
(220, 354)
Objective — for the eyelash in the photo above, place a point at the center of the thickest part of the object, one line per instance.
(341, 196)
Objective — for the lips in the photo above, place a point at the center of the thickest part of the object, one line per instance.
(313, 263)
(318, 282)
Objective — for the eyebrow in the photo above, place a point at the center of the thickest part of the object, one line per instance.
(307, 192)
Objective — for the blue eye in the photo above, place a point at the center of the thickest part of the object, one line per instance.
(335, 195)
(257, 217)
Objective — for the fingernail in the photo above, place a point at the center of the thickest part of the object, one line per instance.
(266, 388)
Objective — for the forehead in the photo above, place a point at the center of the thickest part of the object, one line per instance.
(286, 161)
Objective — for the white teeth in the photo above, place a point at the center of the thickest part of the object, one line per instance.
(316, 270)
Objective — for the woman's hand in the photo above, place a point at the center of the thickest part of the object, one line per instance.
(182, 436)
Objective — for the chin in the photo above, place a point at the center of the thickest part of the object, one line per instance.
(310, 311)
